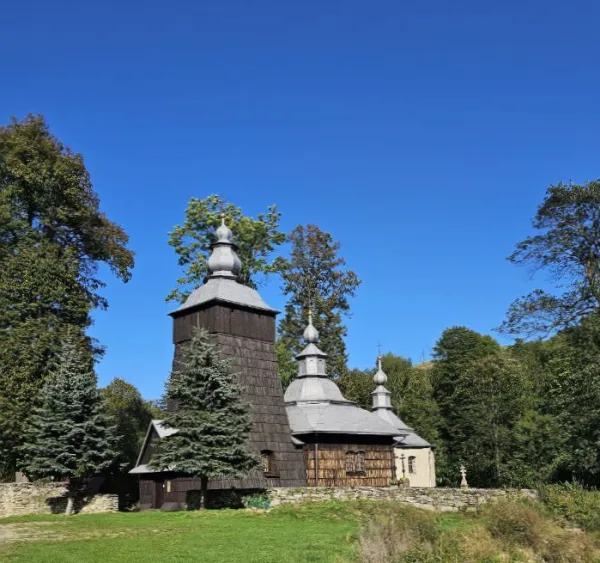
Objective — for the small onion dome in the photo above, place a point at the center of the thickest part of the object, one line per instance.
(311, 334)
(223, 233)
(380, 377)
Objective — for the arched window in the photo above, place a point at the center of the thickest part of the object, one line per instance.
(267, 458)
(412, 464)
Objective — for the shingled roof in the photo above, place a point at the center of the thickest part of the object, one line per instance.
(382, 409)
(315, 404)
(222, 285)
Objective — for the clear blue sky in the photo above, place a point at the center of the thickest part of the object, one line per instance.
(422, 135)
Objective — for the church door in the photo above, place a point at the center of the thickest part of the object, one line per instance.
(159, 494)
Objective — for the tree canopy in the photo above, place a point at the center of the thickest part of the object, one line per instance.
(130, 414)
(567, 248)
(315, 276)
(53, 238)
(256, 240)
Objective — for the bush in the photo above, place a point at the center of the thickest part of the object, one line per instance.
(192, 500)
(575, 504)
(398, 533)
(564, 546)
(523, 524)
(508, 531)
(516, 523)
(257, 500)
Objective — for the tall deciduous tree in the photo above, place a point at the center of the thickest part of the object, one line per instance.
(489, 401)
(573, 398)
(411, 391)
(69, 433)
(453, 354)
(455, 351)
(567, 247)
(315, 275)
(130, 415)
(212, 421)
(53, 237)
(256, 240)
(412, 395)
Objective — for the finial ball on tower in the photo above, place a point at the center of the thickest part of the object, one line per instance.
(223, 233)
(311, 334)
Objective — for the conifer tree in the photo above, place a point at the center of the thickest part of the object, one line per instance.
(211, 419)
(315, 277)
(130, 414)
(68, 435)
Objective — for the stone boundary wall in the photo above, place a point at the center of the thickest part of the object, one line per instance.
(430, 498)
(17, 499)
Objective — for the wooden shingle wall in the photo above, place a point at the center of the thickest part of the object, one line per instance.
(247, 338)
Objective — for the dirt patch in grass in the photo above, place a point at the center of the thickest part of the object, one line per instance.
(27, 532)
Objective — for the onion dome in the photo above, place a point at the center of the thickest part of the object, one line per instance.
(382, 408)
(382, 398)
(311, 334)
(222, 285)
(380, 377)
(315, 404)
(224, 261)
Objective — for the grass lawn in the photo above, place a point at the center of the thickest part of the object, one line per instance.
(330, 532)
(311, 534)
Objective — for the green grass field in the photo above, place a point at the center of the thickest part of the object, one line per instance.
(294, 536)
(351, 532)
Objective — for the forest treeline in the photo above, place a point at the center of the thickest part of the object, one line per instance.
(516, 416)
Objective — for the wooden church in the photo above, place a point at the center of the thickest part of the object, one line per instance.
(311, 436)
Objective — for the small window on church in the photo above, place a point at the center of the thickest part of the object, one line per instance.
(269, 466)
(168, 486)
(412, 464)
(359, 463)
(350, 460)
(355, 463)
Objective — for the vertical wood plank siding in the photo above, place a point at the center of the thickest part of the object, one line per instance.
(378, 465)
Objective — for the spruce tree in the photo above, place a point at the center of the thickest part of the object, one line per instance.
(211, 419)
(68, 435)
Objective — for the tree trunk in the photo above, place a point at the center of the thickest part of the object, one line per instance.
(70, 503)
(203, 491)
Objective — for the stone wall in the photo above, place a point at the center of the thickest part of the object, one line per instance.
(431, 498)
(49, 498)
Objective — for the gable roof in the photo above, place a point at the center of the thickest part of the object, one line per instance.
(409, 438)
(162, 431)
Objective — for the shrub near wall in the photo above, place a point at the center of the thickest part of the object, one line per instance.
(17, 499)
(579, 506)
